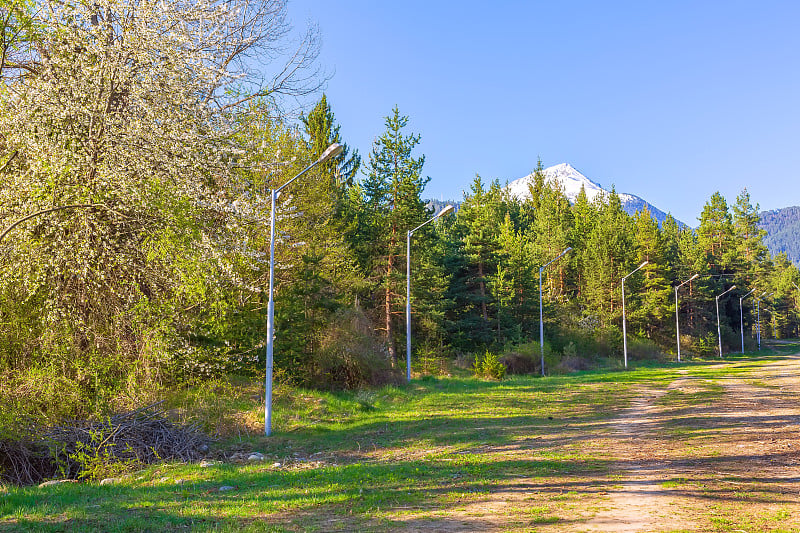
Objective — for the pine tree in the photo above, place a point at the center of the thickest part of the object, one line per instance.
(479, 221)
(611, 250)
(392, 196)
(552, 228)
(652, 290)
(514, 283)
(322, 130)
(715, 235)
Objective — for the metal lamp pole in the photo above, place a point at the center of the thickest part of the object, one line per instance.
(796, 287)
(719, 334)
(332, 151)
(741, 316)
(444, 211)
(677, 323)
(624, 331)
(541, 314)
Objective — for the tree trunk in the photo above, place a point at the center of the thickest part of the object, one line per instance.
(388, 302)
(482, 286)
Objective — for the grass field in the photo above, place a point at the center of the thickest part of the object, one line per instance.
(460, 454)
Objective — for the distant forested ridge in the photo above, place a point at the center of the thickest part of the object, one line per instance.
(783, 231)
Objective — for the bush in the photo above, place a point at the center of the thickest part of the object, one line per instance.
(521, 359)
(489, 366)
(431, 361)
(349, 356)
(705, 346)
(640, 348)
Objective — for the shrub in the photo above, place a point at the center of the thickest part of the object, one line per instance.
(349, 356)
(521, 359)
(642, 348)
(706, 346)
(489, 366)
(431, 361)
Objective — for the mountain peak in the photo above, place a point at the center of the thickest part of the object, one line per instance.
(571, 181)
(569, 177)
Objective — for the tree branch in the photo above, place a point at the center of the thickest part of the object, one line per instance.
(8, 162)
(50, 210)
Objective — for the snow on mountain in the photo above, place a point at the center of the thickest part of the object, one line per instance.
(571, 181)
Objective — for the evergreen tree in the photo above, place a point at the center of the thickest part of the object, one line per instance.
(611, 251)
(392, 191)
(514, 283)
(479, 220)
(651, 289)
(715, 235)
(322, 131)
(552, 228)
(716, 254)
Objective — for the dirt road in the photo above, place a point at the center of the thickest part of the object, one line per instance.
(716, 454)
(718, 449)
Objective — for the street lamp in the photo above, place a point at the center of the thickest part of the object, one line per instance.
(741, 316)
(758, 315)
(719, 334)
(541, 315)
(677, 323)
(624, 332)
(796, 287)
(332, 151)
(447, 209)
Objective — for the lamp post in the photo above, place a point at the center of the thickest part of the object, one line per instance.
(677, 323)
(796, 287)
(719, 334)
(541, 314)
(444, 211)
(758, 315)
(741, 316)
(624, 331)
(332, 151)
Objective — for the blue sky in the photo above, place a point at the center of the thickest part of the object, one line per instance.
(671, 101)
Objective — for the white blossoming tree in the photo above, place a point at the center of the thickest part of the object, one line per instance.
(119, 148)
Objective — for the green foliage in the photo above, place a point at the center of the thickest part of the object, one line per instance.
(705, 346)
(97, 456)
(430, 361)
(151, 270)
(393, 206)
(489, 366)
(521, 358)
(349, 356)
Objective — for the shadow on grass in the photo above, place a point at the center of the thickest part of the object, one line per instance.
(467, 439)
(344, 497)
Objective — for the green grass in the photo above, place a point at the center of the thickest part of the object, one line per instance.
(372, 460)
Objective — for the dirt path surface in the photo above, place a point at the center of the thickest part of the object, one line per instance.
(702, 454)
(731, 462)
(638, 501)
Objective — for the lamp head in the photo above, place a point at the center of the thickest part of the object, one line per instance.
(447, 209)
(331, 151)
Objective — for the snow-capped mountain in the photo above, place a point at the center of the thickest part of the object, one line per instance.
(571, 181)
